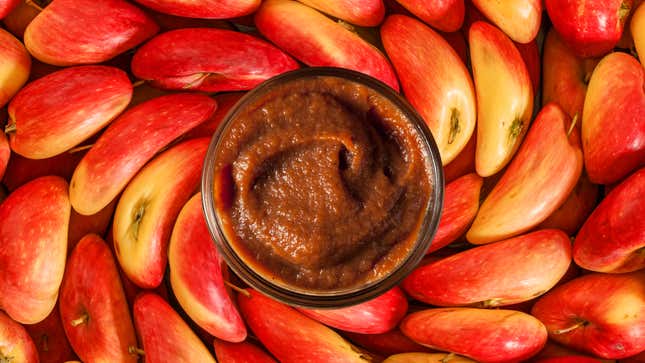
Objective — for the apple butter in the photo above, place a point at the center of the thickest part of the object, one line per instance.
(321, 184)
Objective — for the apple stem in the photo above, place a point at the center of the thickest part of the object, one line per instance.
(569, 329)
(80, 320)
(238, 289)
(34, 5)
(573, 124)
(447, 358)
(136, 350)
(80, 148)
(138, 83)
(10, 127)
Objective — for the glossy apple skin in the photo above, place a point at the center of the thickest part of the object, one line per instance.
(309, 340)
(637, 27)
(613, 237)
(498, 274)
(33, 234)
(570, 216)
(240, 352)
(92, 290)
(210, 60)
(481, 334)
(417, 357)
(60, 110)
(386, 344)
(537, 181)
(589, 28)
(50, 340)
(206, 9)
(613, 126)
(119, 154)
(447, 16)
(316, 40)
(21, 170)
(148, 207)
(6, 6)
(225, 102)
(196, 275)
(359, 12)
(504, 97)
(611, 308)
(5, 154)
(519, 19)
(434, 80)
(72, 32)
(164, 335)
(15, 344)
(15, 64)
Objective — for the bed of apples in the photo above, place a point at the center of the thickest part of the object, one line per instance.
(538, 109)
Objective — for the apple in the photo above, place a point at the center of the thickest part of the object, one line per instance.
(19, 18)
(15, 64)
(388, 343)
(50, 340)
(464, 162)
(481, 334)
(81, 225)
(208, 9)
(33, 234)
(613, 126)
(164, 335)
(57, 112)
(207, 59)
(21, 170)
(225, 102)
(196, 275)
(118, 154)
(15, 344)
(316, 40)
(73, 32)
(148, 207)
(602, 314)
(591, 28)
(359, 12)
(434, 80)
(458, 42)
(537, 181)
(6, 6)
(504, 97)
(242, 352)
(531, 55)
(167, 21)
(519, 19)
(417, 357)
(637, 26)
(292, 336)
(613, 237)
(447, 16)
(503, 273)
(5, 153)
(570, 216)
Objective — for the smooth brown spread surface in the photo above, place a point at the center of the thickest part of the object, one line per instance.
(322, 184)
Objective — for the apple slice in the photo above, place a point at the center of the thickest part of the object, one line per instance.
(93, 307)
(164, 335)
(447, 16)
(359, 12)
(5, 153)
(613, 126)
(116, 157)
(15, 64)
(240, 352)
(519, 19)
(434, 80)
(196, 275)
(427, 358)
(225, 102)
(637, 27)
(603, 314)
(210, 60)
(6, 6)
(21, 170)
(388, 343)
(538, 180)
(316, 40)
(206, 9)
(15, 344)
(613, 237)
(50, 340)
(291, 336)
(481, 334)
(148, 208)
(504, 97)
(57, 112)
(72, 32)
(570, 216)
(33, 234)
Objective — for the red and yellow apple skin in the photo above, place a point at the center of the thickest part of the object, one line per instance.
(242, 352)
(447, 16)
(205, 9)
(519, 19)
(360, 12)
(6, 6)
(15, 65)
(50, 339)
(637, 27)
(5, 154)
(417, 357)
(15, 344)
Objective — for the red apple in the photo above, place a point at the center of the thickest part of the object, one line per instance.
(603, 314)
(15, 344)
(81, 225)
(504, 97)
(57, 112)
(71, 32)
(15, 64)
(498, 274)
(359, 12)
(458, 42)
(208, 9)
(446, 16)
(531, 55)
(33, 234)
(196, 275)
(19, 18)
(317, 40)
(21, 170)
(225, 102)
(5, 153)
(207, 59)
(613, 126)
(148, 207)
(464, 162)
(427, 358)
(291, 336)
(240, 352)
(537, 181)
(519, 19)
(637, 27)
(388, 343)
(434, 80)
(118, 154)
(50, 340)
(570, 216)
(6, 6)
(481, 334)
(164, 335)
(591, 28)
(613, 237)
